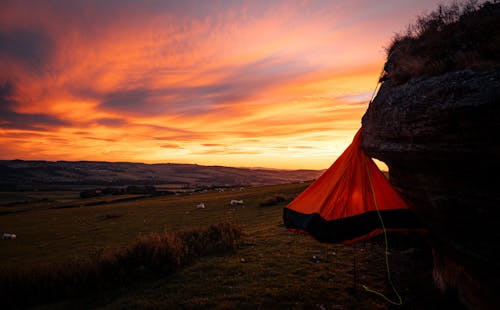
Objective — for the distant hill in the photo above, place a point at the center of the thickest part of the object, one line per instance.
(20, 175)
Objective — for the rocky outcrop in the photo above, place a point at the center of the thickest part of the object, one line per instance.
(439, 137)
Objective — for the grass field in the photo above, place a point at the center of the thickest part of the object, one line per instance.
(272, 267)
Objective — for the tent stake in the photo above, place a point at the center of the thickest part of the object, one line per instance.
(354, 273)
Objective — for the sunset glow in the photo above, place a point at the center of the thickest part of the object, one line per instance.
(247, 84)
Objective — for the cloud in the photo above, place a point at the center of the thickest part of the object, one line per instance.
(184, 137)
(303, 147)
(40, 122)
(30, 47)
(28, 121)
(101, 139)
(7, 93)
(235, 84)
(112, 122)
(226, 151)
(168, 80)
(358, 98)
(181, 135)
(171, 146)
(24, 135)
(212, 144)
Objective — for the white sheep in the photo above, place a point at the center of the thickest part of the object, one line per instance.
(7, 236)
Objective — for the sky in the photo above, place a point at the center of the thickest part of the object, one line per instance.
(276, 84)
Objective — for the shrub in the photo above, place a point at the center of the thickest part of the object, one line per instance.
(109, 216)
(272, 201)
(133, 189)
(113, 191)
(89, 193)
(462, 35)
(147, 256)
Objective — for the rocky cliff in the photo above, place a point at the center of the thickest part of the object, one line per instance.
(439, 137)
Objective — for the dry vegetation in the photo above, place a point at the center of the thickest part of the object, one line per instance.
(149, 255)
(462, 35)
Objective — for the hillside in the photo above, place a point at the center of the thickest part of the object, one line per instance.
(21, 175)
(272, 268)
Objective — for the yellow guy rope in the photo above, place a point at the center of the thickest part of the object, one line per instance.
(400, 301)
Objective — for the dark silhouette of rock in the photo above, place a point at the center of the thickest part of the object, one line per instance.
(439, 136)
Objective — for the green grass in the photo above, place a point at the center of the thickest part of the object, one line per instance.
(272, 268)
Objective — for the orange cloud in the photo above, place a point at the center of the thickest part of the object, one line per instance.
(270, 84)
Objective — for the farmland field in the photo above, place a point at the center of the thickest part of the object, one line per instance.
(271, 268)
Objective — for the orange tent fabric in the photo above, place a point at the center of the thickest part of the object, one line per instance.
(341, 206)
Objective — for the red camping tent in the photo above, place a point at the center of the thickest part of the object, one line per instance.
(341, 205)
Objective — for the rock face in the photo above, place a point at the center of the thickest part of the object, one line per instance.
(439, 137)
